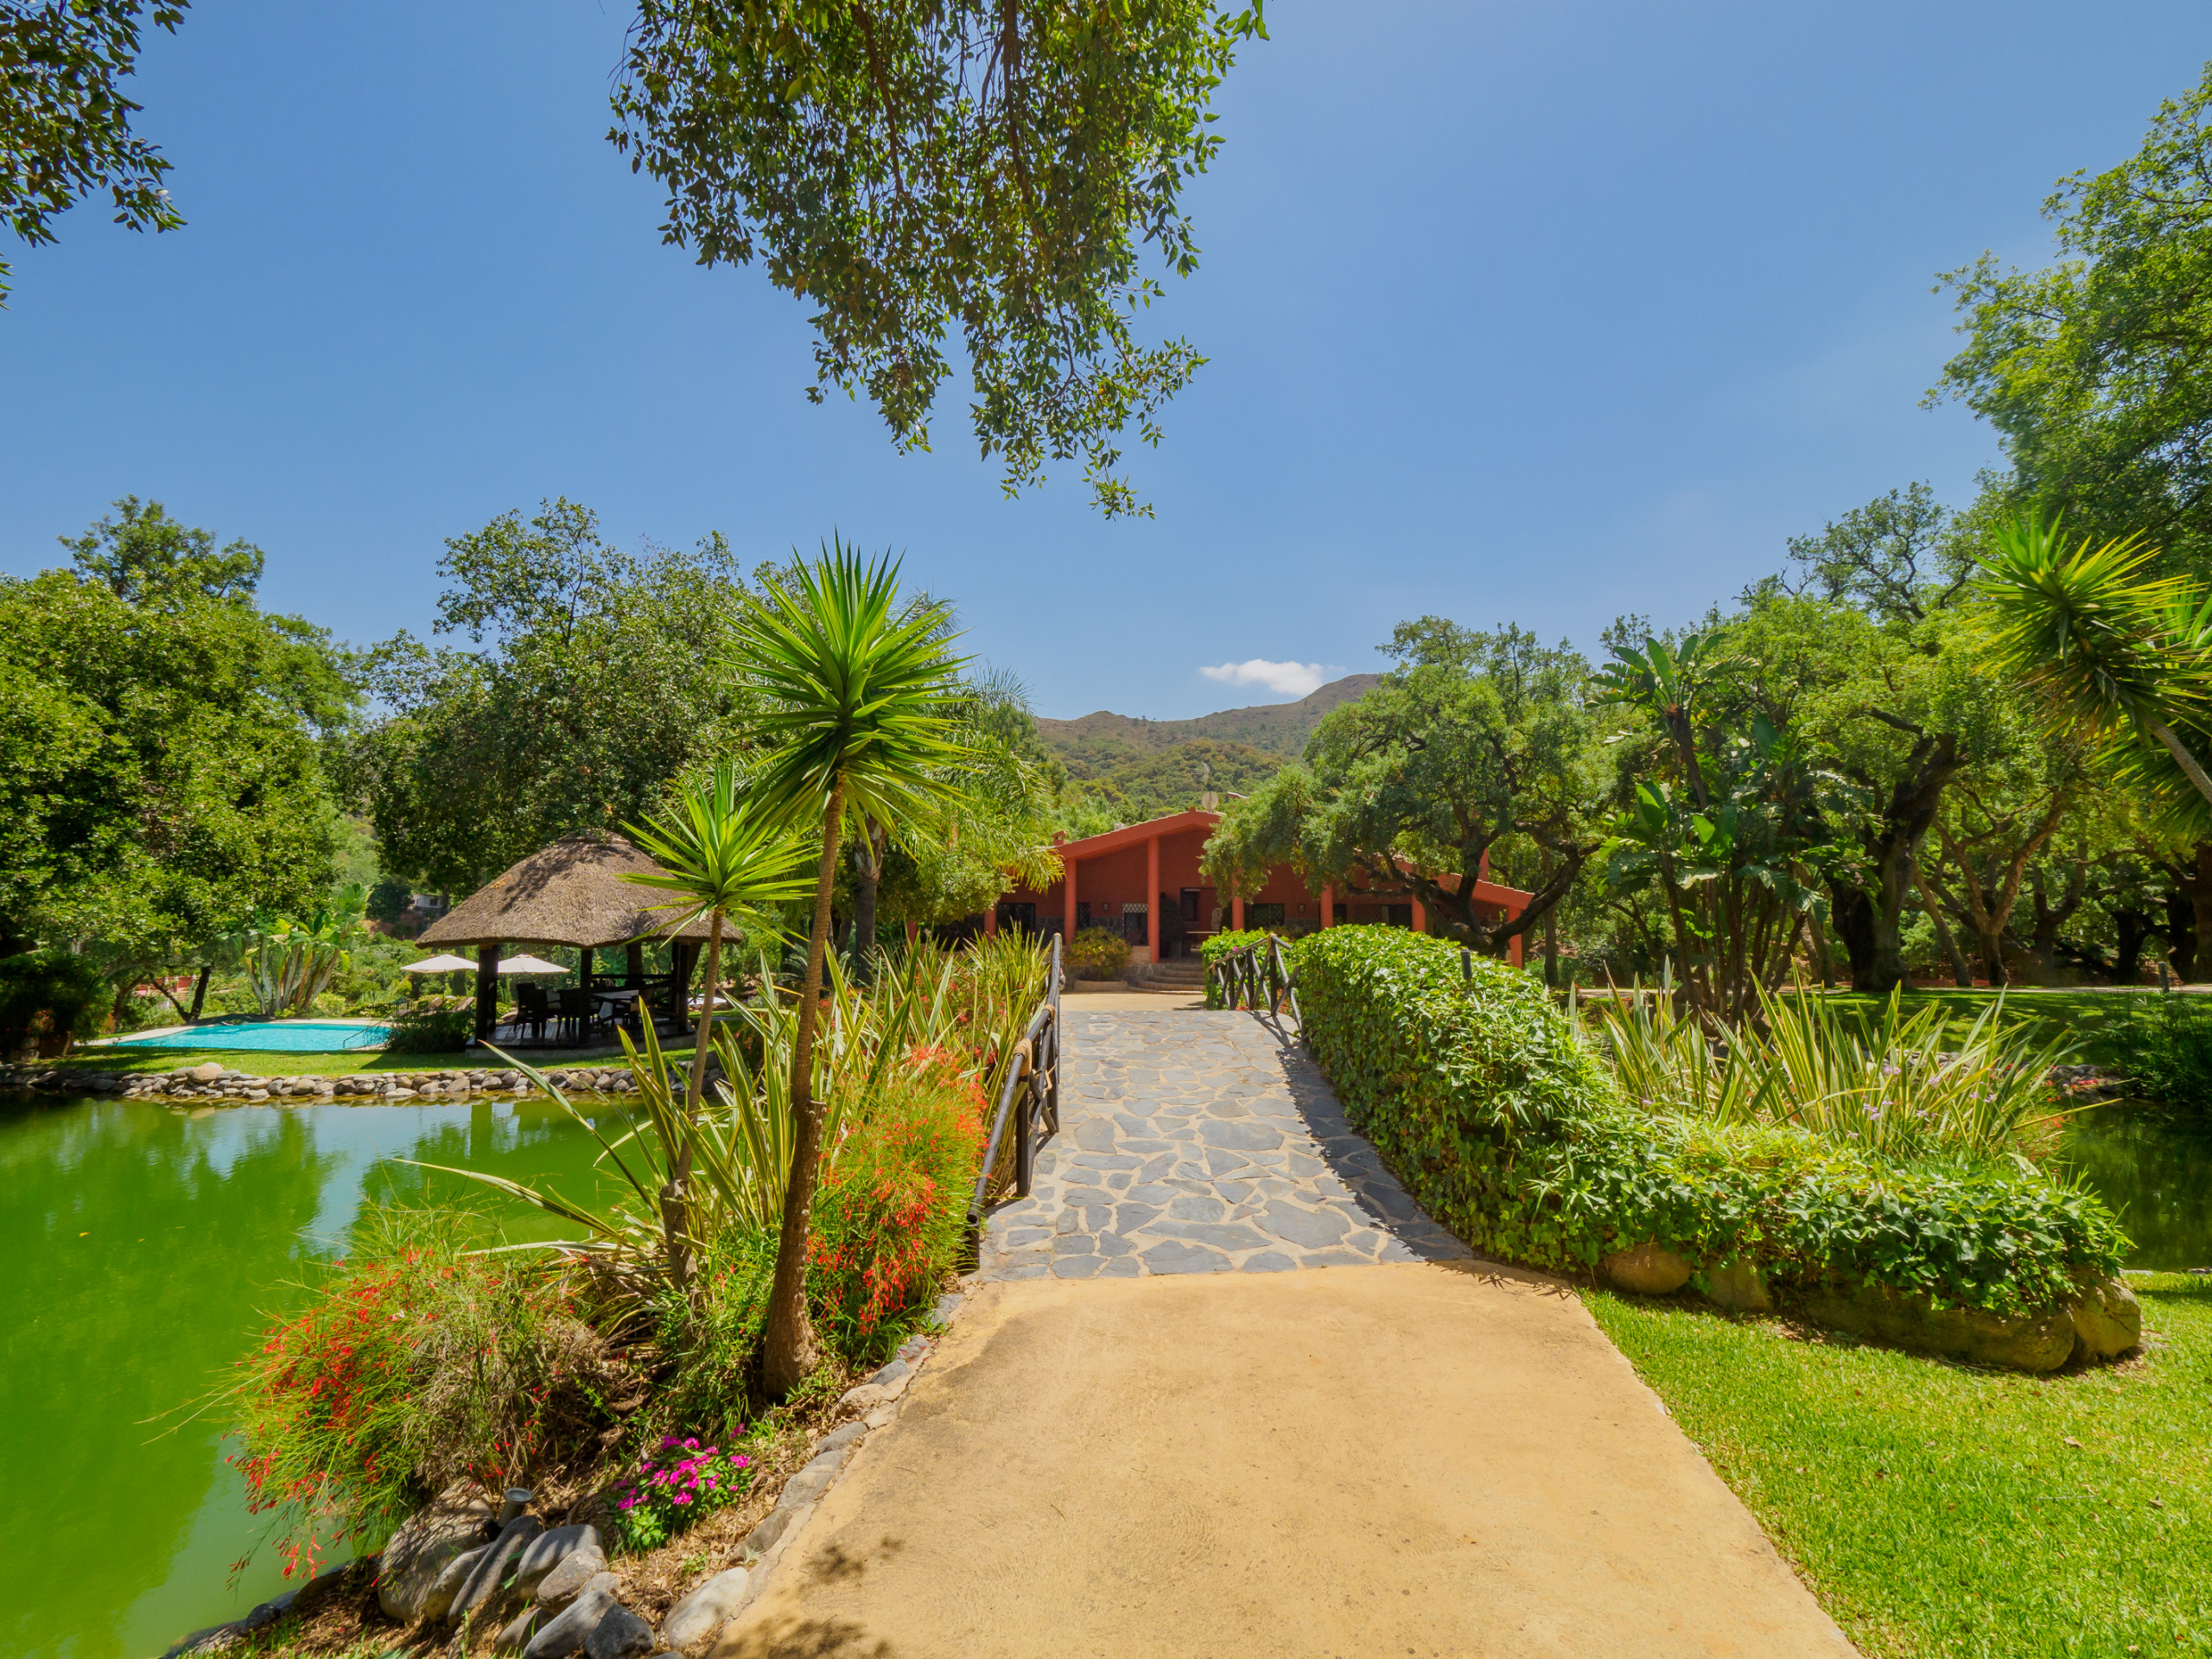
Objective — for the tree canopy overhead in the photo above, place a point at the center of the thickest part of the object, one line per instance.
(64, 124)
(912, 169)
(2097, 371)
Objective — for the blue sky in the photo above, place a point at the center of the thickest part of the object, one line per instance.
(1542, 312)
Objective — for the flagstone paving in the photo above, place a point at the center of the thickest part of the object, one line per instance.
(1193, 1142)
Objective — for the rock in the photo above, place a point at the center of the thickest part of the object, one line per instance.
(2025, 1342)
(483, 1582)
(620, 1634)
(435, 1604)
(2107, 1319)
(838, 1440)
(569, 1579)
(216, 1638)
(814, 1480)
(425, 1545)
(701, 1613)
(762, 1538)
(548, 1549)
(519, 1630)
(897, 1371)
(512, 1503)
(1647, 1270)
(565, 1633)
(866, 1397)
(1739, 1287)
(207, 1073)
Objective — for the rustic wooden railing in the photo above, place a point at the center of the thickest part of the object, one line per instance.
(1029, 1099)
(1252, 974)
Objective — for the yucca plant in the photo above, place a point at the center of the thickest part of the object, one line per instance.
(1901, 1083)
(854, 682)
(722, 856)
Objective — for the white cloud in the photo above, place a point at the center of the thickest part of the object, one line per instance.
(1284, 679)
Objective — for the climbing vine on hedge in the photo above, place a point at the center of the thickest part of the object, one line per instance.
(1508, 1126)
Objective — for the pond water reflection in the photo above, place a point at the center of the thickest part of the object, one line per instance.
(2157, 1173)
(145, 1247)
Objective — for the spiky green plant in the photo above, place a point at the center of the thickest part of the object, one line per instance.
(853, 682)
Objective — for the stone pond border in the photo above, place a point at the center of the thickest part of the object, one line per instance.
(212, 1083)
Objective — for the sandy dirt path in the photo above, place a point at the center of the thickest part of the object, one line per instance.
(1432, 1458)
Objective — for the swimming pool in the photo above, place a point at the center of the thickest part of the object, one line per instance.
(279, 1036)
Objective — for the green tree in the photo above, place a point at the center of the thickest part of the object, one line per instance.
(724, 858)
(162, 746)
(1475, 741)
(2097, 371)
(595, 679)
(854, 685)
(915, 171)
(64, 124)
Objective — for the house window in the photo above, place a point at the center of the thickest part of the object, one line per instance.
(1263, 916)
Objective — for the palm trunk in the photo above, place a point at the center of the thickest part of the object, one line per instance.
(787, 1353)
(2182, 757)
(675, 1197)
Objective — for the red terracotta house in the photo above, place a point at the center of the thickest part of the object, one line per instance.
(1143, 880)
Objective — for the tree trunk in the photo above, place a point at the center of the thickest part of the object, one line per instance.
(2199, 889)
(2051, 917)
(2191, 767)
(1823, 962)
(676, 1196)
(2180, 934)
(2135, 926)
(787, 1353)
(1854, 913)
(1961, 974)
(200, 993)
(1892, 848)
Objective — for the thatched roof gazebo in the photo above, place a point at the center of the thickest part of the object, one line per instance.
(571, 893)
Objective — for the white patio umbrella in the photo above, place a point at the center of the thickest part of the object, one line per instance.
(529, 966)
(448, 964)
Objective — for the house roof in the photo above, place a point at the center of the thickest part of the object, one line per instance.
(1135, 835)
(570, 893)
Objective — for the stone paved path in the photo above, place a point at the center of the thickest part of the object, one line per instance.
(1201, 1142)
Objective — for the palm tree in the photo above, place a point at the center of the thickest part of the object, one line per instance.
(2111, 646)
(723, 856)
(853, 684)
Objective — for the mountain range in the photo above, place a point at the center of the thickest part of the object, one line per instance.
(1147, 768)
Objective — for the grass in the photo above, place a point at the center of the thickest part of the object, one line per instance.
(1938, 1510)
(2085, 1014)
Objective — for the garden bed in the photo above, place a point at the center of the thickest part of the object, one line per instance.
(1507, 1126)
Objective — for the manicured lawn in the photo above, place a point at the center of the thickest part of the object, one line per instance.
(1938, 1509)
(2083, 1012)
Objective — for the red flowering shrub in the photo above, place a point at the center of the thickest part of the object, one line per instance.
(887, 1218)
(412, 1365)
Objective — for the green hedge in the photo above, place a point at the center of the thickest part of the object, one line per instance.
(45, 992)
(1508, 1127)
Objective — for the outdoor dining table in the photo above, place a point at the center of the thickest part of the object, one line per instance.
(618, 1005)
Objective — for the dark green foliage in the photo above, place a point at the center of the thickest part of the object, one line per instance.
(1097, 953)
(2164, 1046)
(68, 990)
(1508, 1127)
(387, 898)
(433, 1024)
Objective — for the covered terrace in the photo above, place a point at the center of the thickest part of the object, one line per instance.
(1143, 880)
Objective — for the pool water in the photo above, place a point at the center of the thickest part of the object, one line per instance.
(145, 1247)
(277, 1036)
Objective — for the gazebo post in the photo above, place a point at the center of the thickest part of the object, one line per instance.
(583, 966)
(634, 964)
(488, 988)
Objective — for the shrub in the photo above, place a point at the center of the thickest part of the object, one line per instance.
(413, 1364)
(1509, 1128)
(1096, 953)
(2164, 1047)
(888, 1220)
(433, 1025)
(52, 995)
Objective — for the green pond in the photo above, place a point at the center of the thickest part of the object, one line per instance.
(143, 1249)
